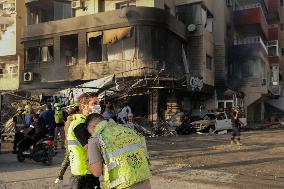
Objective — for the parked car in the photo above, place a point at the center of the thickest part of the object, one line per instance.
(205, 124)
(218, 121)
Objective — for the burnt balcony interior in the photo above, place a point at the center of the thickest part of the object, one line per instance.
(39, 54)
(69, 49)
(135, 47)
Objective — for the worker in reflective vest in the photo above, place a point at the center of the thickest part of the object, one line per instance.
(77, 139)
(117, 154)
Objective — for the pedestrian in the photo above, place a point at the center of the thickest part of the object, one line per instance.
(77, 137)
(47, 118)
(59, 118)
(118, 154)
(19, 126)
(236, 126)
(107, 113)
(65, 163)
(28, 116)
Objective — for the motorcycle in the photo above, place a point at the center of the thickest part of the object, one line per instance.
(42, 151)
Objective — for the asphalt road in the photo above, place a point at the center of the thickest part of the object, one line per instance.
(198, 162)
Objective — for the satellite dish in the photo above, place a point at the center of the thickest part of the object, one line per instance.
(191, 27)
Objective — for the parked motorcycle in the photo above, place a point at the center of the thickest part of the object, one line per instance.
(42, 151)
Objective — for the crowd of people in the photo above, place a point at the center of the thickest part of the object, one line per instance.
(98, 144)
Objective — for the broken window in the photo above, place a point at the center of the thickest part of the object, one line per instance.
(119, 43)
(33, 55)
(95, 48)
(130, 3)
(69, 49)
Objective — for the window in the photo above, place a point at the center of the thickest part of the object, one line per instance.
(62, 10)
(39, 54)
(207, 20)
(208, 62)
(95, 48)
(221, 116)
(220, 105)
(69, 49)
(131, 3)
(281, 3)
(32, 55)
(1, 72)
(275, 75)
(167, 9)
(282, 27)
(12, 71)
(282, 51)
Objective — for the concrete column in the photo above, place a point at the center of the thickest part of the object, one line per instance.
(262, 111)
(57, 50)
(154, 105)
(82, 41)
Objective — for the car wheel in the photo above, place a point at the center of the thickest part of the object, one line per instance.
(211, 129)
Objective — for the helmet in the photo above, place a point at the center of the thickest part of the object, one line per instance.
(27, 107)
(56, 105)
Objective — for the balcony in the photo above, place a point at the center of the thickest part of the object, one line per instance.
(249, 44)
(273, 52)
(251, 18)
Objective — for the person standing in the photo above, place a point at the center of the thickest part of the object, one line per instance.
(28, 116)
(236, 126)
(59, 118)
(47, 118)
(118, 154)
(19, 125)
(77, 138)
(65, 163)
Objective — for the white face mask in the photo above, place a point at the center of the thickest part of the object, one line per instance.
(96, 109)
(57, 108)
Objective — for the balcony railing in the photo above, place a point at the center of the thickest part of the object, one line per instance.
(251, 41)
(245, 7)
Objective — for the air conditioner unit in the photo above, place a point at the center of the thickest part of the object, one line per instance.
(28, 76)
(76, 4)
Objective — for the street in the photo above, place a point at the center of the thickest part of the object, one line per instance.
(194, 161)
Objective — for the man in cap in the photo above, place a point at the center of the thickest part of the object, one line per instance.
(19, 125)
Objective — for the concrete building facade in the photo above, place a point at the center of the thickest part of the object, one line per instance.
(8, 58)
(174, 55)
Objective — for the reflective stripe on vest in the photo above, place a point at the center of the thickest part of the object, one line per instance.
(121, 151)
(74, 143)
(117, 182)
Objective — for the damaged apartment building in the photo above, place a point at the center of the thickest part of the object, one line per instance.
(166, 55)
(9, 79)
